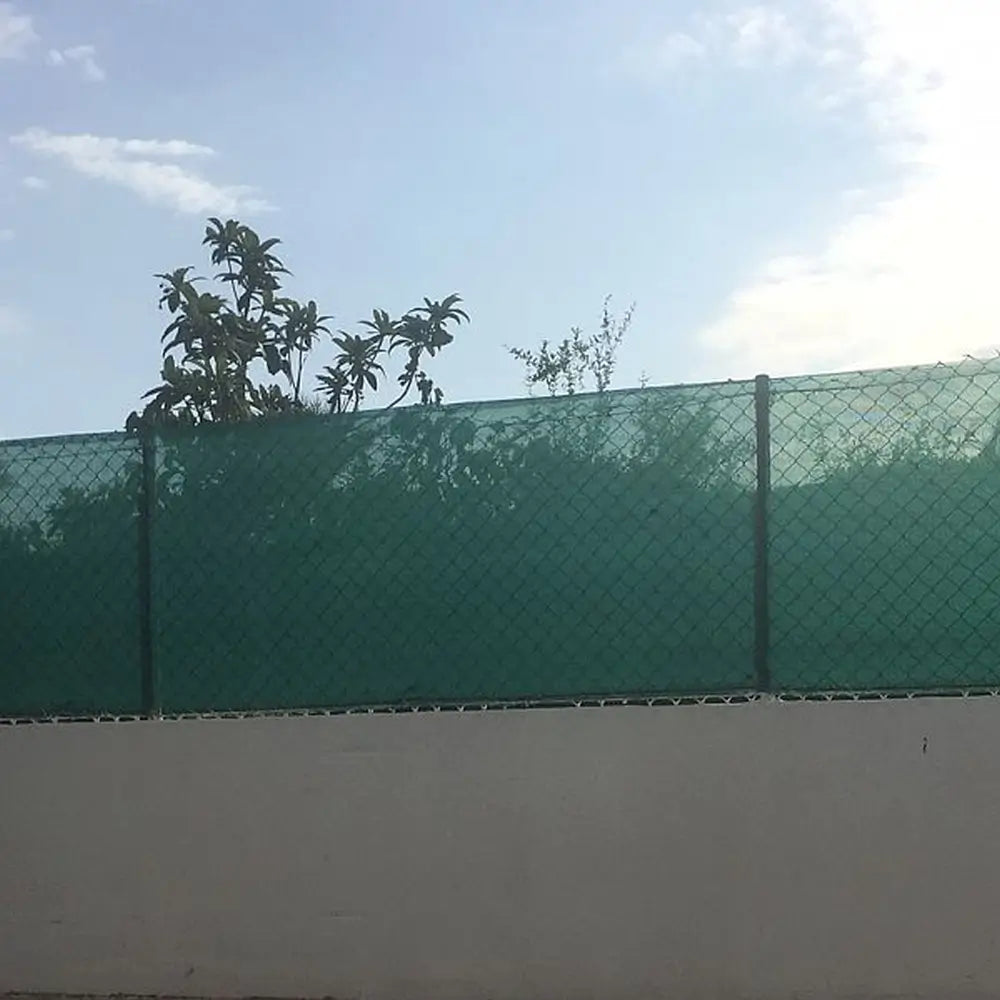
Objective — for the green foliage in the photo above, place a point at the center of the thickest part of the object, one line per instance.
(420, 333)
(217, 343)
(577, 362)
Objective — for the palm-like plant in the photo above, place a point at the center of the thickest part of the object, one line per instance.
(214, 341)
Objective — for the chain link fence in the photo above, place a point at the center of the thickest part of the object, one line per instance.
(69, 577)
(801, 535)
(885, 530)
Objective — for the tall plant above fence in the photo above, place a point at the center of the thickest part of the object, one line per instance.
(554, 550)
(218, 342)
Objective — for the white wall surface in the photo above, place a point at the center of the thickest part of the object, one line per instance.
(754, 851)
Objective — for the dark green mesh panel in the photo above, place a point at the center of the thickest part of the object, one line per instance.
(885, 529)
(541, 550)
(69, 618)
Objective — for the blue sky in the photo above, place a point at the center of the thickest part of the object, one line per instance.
(779, 187)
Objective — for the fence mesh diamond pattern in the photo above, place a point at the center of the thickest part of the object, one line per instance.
(69, 577)
(885, 530)
(482, 553)
(537, 551)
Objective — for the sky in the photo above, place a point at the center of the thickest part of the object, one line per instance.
(782, 187)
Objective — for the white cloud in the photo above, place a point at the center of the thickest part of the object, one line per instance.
(84, 56)
(34, 183)
(761, 33)
(748, 36)
(16, 32)
(6, 235)
(907, 276)
(144, 167)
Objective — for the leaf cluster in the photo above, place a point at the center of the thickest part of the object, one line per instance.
(222, 339)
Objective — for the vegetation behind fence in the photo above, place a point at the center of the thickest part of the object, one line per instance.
(837, 533)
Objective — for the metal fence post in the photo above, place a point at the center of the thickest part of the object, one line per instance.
(761, 609)
(146, 506)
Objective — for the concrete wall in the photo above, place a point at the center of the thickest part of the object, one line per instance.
(765, 850)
